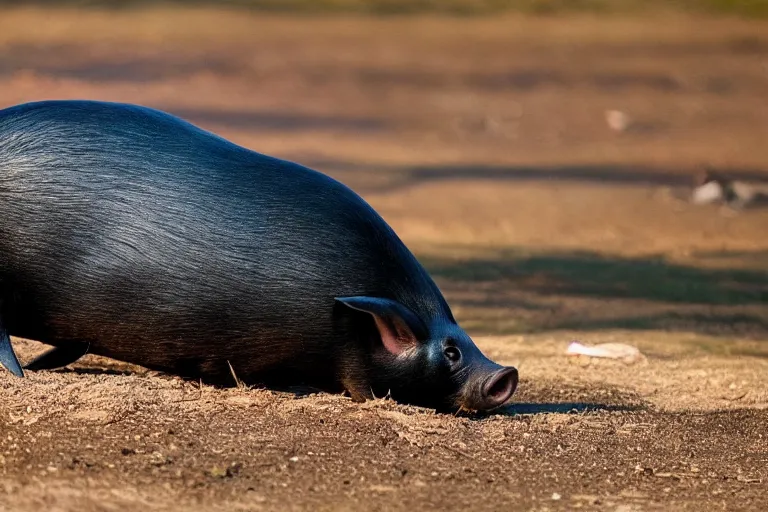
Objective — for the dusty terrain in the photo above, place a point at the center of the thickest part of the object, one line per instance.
(484, 143)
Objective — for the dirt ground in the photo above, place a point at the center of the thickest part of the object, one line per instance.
(484, 143)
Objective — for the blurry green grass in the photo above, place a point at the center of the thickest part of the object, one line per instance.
(750, 8)
(521, 291)
(597, 275)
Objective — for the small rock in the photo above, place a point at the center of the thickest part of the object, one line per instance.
(381, 489)
(234, 469)
(217, 472)
(617, 120)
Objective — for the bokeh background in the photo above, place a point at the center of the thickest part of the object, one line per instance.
(538, 156)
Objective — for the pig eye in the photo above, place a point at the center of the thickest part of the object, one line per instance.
(452, 354)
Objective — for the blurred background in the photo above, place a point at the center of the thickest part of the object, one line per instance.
(539, 156)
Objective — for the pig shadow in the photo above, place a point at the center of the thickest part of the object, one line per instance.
(530, 408)
(89, 371)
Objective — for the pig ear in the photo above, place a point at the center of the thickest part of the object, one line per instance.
(399, 327)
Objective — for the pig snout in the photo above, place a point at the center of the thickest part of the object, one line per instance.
(499, 387)
(491, 387)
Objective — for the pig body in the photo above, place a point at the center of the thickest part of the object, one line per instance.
(129, 233)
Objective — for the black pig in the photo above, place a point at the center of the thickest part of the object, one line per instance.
(129, 233)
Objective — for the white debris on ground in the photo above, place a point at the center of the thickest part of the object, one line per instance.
(738, 194)
(619, 351)
(710, 192)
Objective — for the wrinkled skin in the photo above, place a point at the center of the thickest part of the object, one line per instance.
(129, 233)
